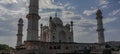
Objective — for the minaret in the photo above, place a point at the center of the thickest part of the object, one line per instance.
(50, 29)
(33, 19)
(72, 30)
(71, 26)
(41, 35)
(50, 22)
(100, 28)
(19, 34)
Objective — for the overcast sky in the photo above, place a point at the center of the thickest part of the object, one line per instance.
(82, 12)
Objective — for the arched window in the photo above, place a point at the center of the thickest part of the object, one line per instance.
(62, 36)
(53, 37)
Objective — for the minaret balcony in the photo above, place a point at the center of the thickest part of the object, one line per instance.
(20, 24)
(33, 16)
(19, 34)
(100, 29)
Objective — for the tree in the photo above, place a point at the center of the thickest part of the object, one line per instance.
(86, 51)
(107, 46)
(5, 47)
(107, 51)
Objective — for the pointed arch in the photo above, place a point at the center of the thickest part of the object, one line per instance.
(62, 36)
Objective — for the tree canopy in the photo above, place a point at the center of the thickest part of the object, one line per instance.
(5, 47)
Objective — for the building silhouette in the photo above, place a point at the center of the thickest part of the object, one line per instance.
(55, 38)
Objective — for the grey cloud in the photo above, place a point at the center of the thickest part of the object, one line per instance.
(78, 18)
(87, 27)
(9, 15)
(85, 36)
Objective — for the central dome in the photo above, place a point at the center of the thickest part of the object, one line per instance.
(57, 21)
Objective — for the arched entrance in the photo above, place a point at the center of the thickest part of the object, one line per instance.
(62, 36)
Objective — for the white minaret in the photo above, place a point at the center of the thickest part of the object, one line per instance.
(100, 28)
(19, 34)
(33, 19)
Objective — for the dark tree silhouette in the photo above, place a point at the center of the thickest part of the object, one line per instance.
(86, 51)
(5, 47)
(107, 50)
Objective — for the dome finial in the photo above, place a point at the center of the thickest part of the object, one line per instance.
(56, 14)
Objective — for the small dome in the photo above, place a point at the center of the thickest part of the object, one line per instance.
(67, 25)
(57, 21)
(20, 20)
(45, 27)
